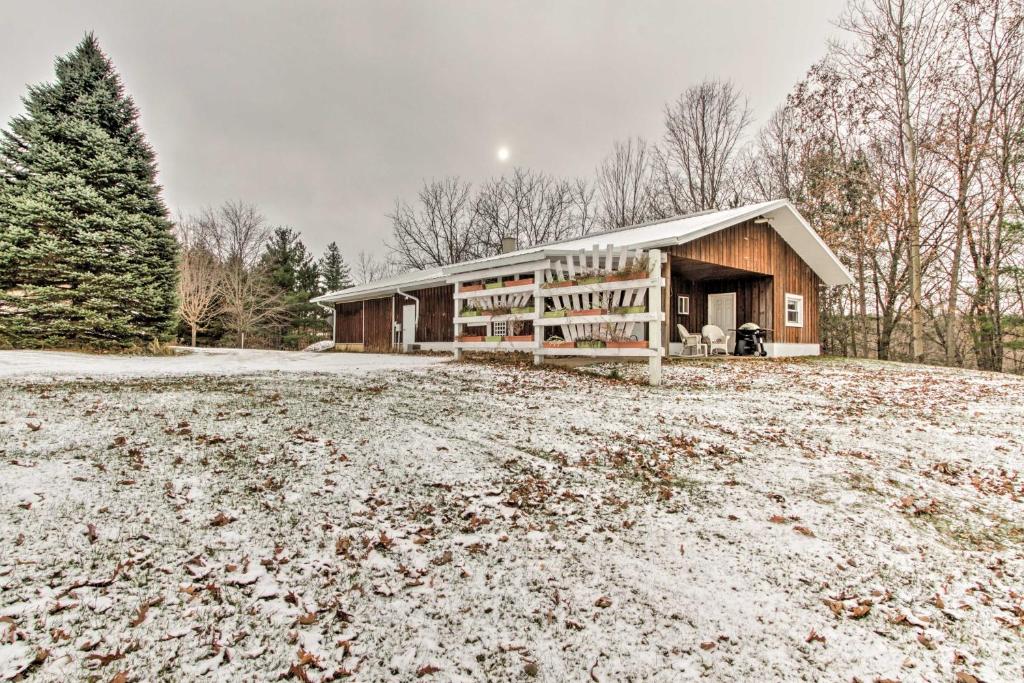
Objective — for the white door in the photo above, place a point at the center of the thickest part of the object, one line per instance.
(408, 325)
(722, 312)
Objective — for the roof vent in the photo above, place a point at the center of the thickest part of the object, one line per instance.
(508, 245)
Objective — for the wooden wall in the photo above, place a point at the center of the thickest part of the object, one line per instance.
(753, 302)
(437, 309)
(348, 323)
(378, 325)
(760, 249)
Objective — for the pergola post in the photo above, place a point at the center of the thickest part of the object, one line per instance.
(457, 332)
(538, 307)
(654, 327)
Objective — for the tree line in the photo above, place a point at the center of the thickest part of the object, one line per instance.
(244, 282)
(902, 147)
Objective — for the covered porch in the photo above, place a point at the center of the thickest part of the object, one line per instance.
(701, 293)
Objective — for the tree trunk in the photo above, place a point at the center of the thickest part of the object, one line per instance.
(193, 335)
(241, 340)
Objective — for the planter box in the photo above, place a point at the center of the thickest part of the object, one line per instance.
(589, 311)
(626, 310)
(621, 277)
(522, 310)
(633, 344)
(471, 313)
(492, 338)
(519, 338)
(559, 345)
(592, 280)
(519, 283)
(471, 338)
(555, 314)
(494, 285)
(470, 288)
(559, 283)
(590, 345)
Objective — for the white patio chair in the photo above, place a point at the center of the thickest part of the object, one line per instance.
(691, 341)
(716, 339)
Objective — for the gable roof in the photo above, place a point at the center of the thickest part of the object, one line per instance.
(781, 215)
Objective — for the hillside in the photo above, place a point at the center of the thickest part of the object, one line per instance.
(325, 516)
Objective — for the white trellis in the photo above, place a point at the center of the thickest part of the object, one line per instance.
(600, 302)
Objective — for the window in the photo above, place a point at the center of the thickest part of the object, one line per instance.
(794, 310)
(683, 305)
(499, 328)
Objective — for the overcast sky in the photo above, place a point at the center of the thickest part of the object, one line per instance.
(322, 113)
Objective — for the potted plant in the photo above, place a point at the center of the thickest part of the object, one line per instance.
(494, 285)
(521, 282)
(627, 310)
(560, 313)
(590, 343)
(626, 343)
(471, 338)
(589, 311)
(518, 338)
(591, 279)
(558, 281)
(471, 311)
(557, 342)
(471, 288)
(635, 269)
(492, 338)
(499, 310)
(522, 310)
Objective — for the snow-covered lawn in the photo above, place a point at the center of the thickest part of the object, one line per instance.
(252, 515)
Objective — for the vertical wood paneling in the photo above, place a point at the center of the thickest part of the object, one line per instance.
(378, 325)
(759, 249)
(348, 323)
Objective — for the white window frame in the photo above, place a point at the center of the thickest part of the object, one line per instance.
(682, 304)
(798, 299)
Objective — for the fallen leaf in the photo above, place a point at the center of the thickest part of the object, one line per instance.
(777, 519)
(803, 530)
(814, 636)
(426, 670)
(707, 645)
(603, 602)
(860, 611)
(221, 519)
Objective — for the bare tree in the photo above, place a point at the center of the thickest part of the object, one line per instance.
(896, 54)
(236, 233)
(625, 184)
(249, 300)
(531, 208)
(703, 129)
(439, 231)
(199, 277)
(369, 268)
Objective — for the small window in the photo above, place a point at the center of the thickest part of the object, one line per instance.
(499, 328)
(794, 310)
(683, 305)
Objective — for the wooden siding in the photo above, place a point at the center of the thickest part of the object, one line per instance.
(435, 323)
(348, 323)
(378, 325)
(753, 302)
(757, 248)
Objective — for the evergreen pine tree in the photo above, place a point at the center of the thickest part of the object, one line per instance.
(335, 272)
(296, 275)
(87, 257)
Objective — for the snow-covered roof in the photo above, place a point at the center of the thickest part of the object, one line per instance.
(782, 216)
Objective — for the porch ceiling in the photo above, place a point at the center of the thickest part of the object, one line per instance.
(694, 270)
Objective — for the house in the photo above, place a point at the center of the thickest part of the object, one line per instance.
(760, 263)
